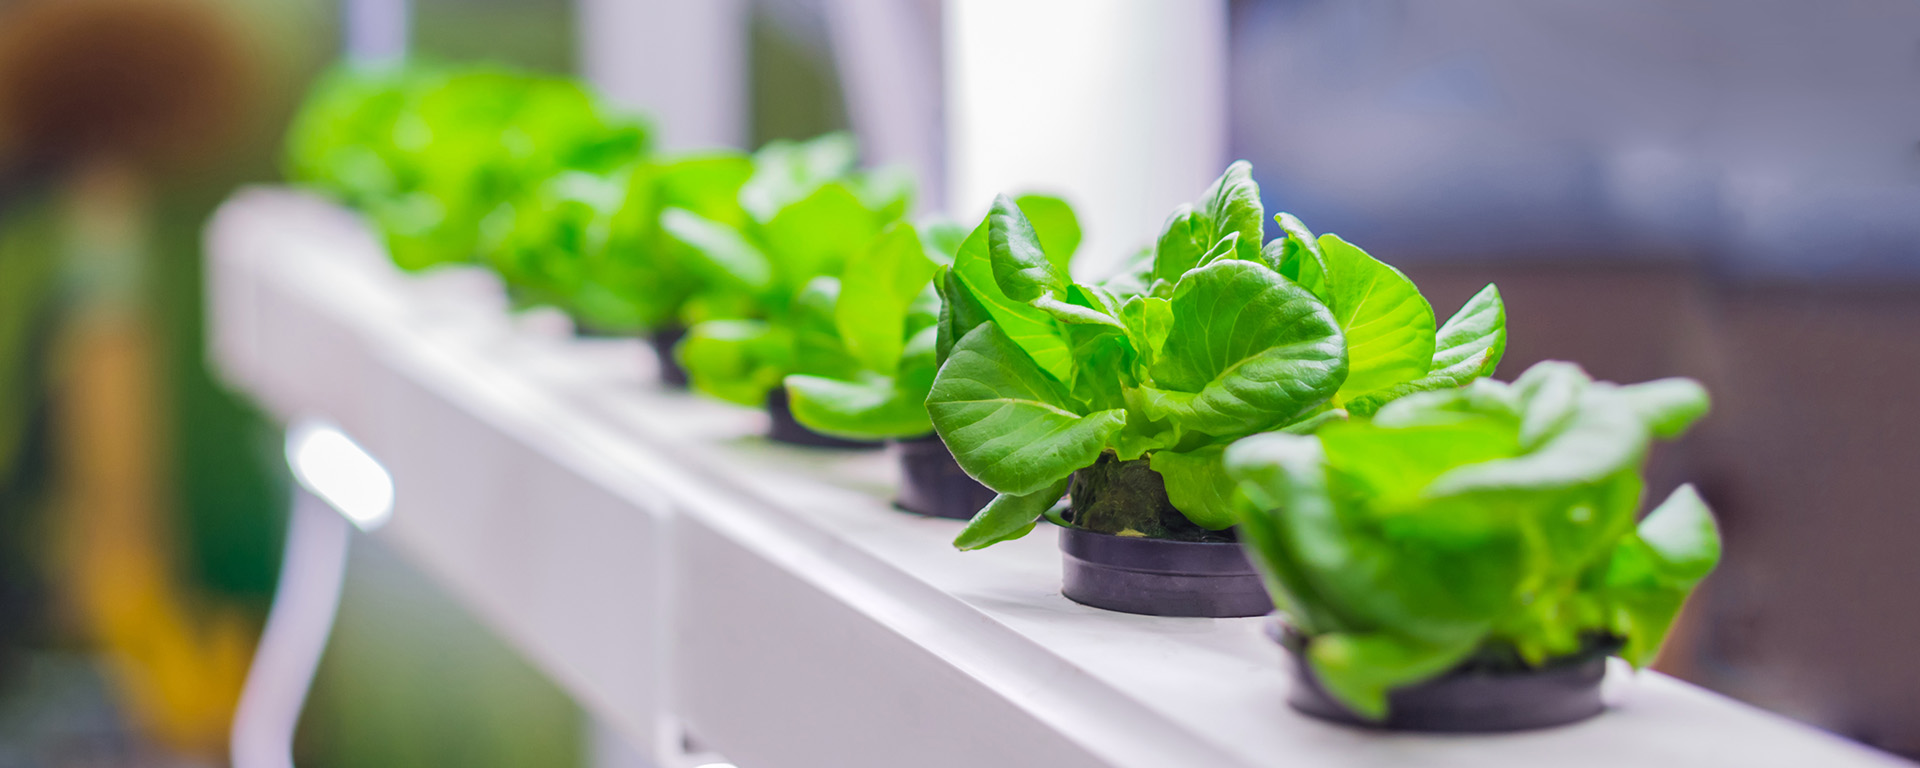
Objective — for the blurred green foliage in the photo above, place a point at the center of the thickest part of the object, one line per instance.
(27, 303)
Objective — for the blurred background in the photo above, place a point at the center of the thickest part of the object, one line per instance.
(1719, 189)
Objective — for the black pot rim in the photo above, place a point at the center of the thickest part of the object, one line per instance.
(1160, 577)
(1281, 631)
(1150, 555)
(1563, 691)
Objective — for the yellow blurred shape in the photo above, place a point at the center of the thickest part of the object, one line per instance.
(179, 662)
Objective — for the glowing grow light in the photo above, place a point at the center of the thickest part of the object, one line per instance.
(332, 466)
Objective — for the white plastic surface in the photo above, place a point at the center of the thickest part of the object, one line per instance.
(666, 564)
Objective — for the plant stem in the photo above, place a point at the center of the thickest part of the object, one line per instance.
(1128, 498)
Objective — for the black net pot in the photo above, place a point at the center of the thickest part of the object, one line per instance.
(1472, 698)
(1160, 577)
(664, 339)
(933, 484)
(787, 430)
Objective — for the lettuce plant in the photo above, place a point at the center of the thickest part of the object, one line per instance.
(1493, 522)
(341, 141)
(592, 244)
(885, 318)
(428, 153)
(769, 285)
(542, 241)
(1141, 382)
(643, 280)
(478, 139)
(869, 360)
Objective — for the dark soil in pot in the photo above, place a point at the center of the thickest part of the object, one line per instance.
(787, 430)
(933, 484)
(1128, 549)
(1488, 693)
(664, 339)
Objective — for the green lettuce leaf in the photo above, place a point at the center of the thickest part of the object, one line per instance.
(1009, 424)
(903, 305)
(880, 283)
(872, 407)
(818, 348)
(1009, 516)
(1492, 519)
(784, 172)
(1032, 329)
(815, 236)
(1360, 668)
(1198, 485)
(1468, 347)
(1020, 266)
(1247, 351)
(739, 361)
(1670, 406)
(960, 312)
(1179, 246)
(1388, 325)
(1653, 570)
(1297, 256)
(1056, 226)
(1232, 207)
(720, 253)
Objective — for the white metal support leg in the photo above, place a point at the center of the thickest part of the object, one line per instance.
(337, 483)
(304, 604)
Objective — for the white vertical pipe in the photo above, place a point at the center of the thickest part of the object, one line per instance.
(1118, 105)
(312, 569)
(377, 31)
(888, 54)
(682, 61)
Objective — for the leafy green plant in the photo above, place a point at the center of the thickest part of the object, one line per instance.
(886, 319)
(542, 242)
(1493, 521)
(341, 141)
(429, 152)
(476, 140)
(592, 243)
(1143, 381)
(769, 284)
(644, 279)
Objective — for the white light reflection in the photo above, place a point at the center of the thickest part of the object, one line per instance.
(336, 469)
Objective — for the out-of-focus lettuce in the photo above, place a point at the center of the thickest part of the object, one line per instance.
(1493, 519)
(887, 317)
(428, 153)
(342, 139)
(769, 285)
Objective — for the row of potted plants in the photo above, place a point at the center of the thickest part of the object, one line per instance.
(1234, 423)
